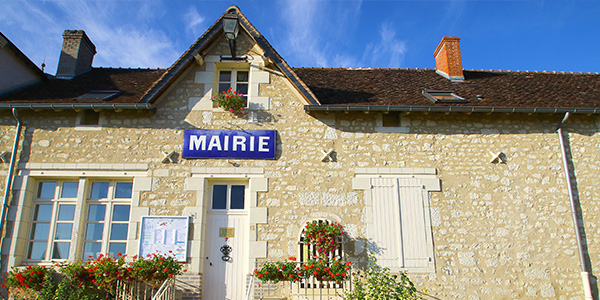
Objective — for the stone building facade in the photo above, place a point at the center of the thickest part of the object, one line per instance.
(476, 202)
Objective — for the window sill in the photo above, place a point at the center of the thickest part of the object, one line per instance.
(88, 128)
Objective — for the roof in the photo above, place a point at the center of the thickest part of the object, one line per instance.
(330, 88)
(404, 87)
(132, 83)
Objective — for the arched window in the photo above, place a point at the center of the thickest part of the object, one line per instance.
(308, 251)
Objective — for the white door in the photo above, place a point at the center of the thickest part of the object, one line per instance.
(226, 244)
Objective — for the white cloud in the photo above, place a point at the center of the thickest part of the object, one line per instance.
(122, 31)
(387, 51)
(312, 31)
(119, 42)
(194, 22)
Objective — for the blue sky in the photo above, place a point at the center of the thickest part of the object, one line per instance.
(549, 35)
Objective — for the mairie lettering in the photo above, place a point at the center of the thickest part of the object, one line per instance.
(235, 143)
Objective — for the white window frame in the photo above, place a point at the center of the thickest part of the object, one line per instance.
(82, 203)
(109, 203)
(56, 201)
(234, 69)
(228, 209)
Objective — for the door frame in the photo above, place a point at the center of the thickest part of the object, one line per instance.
(200, 182)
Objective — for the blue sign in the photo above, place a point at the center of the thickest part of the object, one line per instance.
(250, 144)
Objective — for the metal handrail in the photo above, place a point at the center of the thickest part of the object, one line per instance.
(166, 290)
(138, 290)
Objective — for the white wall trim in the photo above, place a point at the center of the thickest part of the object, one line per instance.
(83, 166)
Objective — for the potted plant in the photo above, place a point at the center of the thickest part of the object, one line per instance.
(278, 271)
(323, 235)
(328, 270)
(155, 269)
(107, 270)
(24, 283)
(231, 101)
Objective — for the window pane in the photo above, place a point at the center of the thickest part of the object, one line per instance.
(46, 190)
(61, 250)
(91, 250)
(123, 189)
(120, 213)
(237, 197)
(118, 231)
(116, 248)
(40, 231)
(63, 231)
(99, 190)
(225, 76)
(94, 231)
(242, 88)
(224, 86)
(69, 190)
(43, 212)
(219, 197)
(96, 213)
(242, 76)
(37, 250)
(66, 212)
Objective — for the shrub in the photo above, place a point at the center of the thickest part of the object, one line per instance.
(30, 277)
(92, 280)
(154, 269)
(377, 283)
(106, 271)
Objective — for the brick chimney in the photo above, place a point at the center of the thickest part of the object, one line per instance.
(76, 55)
(447, 59)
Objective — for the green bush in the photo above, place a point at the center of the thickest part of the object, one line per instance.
(376, 283)
(93, 280)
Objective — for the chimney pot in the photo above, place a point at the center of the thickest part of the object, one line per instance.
(77, 54)
(448, 62)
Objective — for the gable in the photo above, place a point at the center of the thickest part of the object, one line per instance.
(213, 44)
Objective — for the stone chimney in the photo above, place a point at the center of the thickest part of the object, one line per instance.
(448, 62)
(76, 55)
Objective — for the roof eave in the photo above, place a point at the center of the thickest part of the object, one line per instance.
(464, 109)
(80, 106)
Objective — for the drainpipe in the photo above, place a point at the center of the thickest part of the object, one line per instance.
(9, 175)
(585, 275)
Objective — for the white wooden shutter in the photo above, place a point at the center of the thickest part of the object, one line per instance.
(386, 222)
(414, 232)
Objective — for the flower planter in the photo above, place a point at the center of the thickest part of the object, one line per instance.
(326, 278)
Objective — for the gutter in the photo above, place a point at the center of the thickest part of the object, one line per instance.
(78, 106)
(466, 109)
(10, 176)
(585, 272)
